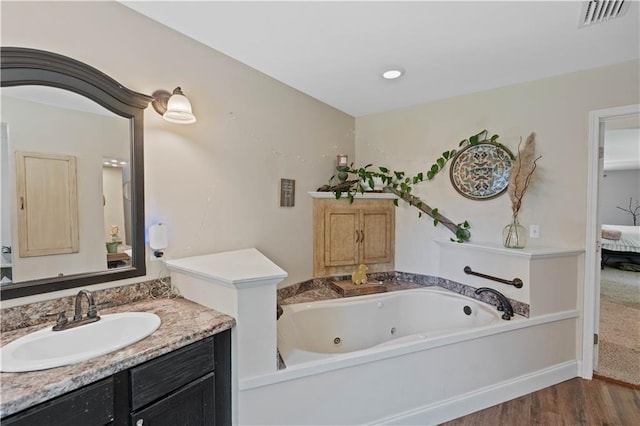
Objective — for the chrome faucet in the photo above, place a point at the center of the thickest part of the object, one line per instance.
(92, 313)
(503, 302)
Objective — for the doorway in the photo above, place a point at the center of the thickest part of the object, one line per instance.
(613, 322)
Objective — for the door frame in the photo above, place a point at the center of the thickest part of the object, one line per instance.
(591, 300)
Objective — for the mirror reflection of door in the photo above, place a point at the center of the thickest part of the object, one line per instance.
(115, 173)
(47, 204)
(54, 121)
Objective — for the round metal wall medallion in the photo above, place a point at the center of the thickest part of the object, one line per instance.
(481, 171)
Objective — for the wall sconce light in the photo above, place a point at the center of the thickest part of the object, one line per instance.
(173, 107)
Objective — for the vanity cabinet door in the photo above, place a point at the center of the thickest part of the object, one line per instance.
(192, 405)
(88, 406)
(163, 375)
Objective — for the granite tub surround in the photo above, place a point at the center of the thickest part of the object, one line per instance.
(183, 322)
(320, 289)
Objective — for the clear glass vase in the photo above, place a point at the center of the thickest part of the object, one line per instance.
(514, 235)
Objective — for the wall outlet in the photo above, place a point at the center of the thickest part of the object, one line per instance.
(534, 231)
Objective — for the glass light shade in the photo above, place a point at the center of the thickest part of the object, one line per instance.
(179, 109)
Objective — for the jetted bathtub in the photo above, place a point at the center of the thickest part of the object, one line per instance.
(327, 329)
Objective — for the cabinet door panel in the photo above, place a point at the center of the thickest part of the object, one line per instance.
(193, 405)
(376, 242)
(162, 375)
(340, 238)
(88, 406)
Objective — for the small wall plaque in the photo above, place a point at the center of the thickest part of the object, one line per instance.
(287, 192)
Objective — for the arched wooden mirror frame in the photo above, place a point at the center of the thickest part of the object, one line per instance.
(24, 66)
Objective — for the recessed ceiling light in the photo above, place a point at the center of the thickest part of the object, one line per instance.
(393, 73)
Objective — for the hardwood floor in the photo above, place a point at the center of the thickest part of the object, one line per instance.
(574, 402)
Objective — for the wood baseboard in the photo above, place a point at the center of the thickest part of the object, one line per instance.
(615, 381)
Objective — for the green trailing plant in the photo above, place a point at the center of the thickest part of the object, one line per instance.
(483, 137)
(401, 184)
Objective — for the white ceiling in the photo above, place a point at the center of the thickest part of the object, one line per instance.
(335, 51)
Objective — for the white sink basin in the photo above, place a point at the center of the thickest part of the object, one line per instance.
(47, 349)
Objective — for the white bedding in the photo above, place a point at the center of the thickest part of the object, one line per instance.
(629, 239)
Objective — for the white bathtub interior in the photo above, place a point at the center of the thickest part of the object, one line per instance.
(317, 330)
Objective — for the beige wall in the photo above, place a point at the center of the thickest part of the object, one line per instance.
(36, 127)
(214, 183)
(555, 108)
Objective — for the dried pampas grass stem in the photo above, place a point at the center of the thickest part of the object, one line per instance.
(521, 173)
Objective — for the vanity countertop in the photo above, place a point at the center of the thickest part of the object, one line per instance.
(183, 322)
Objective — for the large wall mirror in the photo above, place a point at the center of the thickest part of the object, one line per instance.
(72, 209)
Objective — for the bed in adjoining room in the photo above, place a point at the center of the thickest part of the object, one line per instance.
(620, 242)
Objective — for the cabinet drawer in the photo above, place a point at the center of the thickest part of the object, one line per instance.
(88, 406)
(193, 405)
(169, 372)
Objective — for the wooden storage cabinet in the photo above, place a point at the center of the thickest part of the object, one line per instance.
(346, 235)
(190, 386)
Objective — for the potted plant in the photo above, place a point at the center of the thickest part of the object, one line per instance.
(112, 246)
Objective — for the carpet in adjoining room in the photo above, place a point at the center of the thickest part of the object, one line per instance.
(619, 336)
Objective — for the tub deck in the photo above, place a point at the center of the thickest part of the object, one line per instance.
(320, 289)
(326, 292)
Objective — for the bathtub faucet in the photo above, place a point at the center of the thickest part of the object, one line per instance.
(503, 304)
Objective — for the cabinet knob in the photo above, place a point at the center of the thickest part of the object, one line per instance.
(140, 422)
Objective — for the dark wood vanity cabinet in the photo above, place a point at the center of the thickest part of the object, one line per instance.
(190, 386)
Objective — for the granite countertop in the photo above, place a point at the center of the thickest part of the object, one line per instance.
(183, 322)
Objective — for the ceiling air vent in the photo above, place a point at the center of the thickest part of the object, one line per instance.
(594, 11)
